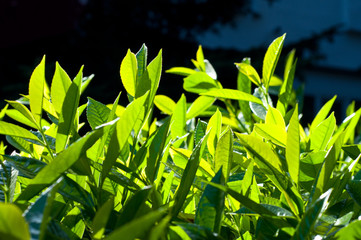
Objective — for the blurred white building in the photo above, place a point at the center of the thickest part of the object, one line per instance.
(338, 73)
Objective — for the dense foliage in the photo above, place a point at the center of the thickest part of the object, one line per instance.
(233, 164)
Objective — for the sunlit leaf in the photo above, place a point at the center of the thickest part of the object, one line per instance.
(36, 91)
(12, 224)
(199, 82)
(293, 147)
(199, 105)
(250, 72)
(165, 104)
(59, 87)
(128, 72)
(231, 94)
(271, 59)
(322, 114)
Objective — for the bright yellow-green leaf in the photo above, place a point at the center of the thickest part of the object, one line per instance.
(322, 114)
(293, 147)
(59, 87)
(178, 122)
(275, 117)
(224, 153)
(199, 105)
(128, 72)
(200, 59)
(36, 91)
(262, 149)
(12, 224)
(183, 71)
(215, 127)
(10, 129)
(231, 94)
(250, 72)
(271, 58)
(275, 81)
(272, 132)
(165, 104)
(119, 109)
(322, 134)
(186, 154)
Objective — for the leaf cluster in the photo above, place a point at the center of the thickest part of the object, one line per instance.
(233, 164)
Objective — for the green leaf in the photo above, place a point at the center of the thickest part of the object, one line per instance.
(3, 111)
(62, 162)
(156, 149)
(8, 180)
(71, 190)
(273, 133)
(165, 104)
(214, 128)
(17, 116)
(24, 111)
(350, 130)
(293, 147)
(353, 187)
(59, 88)
(211, 205)
(124, 126)
(200, 59)
(261, 150)
(259, 109)
(178, 121)
(199, 105)
(128, 73)
(36, 91)
(231, 94)
(321, 135)
(224, 153)
(311, 165)
(353, 151)
(183, 71)
(244, 85)
(101, 218)
(27, 167)
(142, 56)
(188, 176)
(199, 82)
(275, 117)
(305, 226)
(97, 113)
(138, 227)
(143, 82)
(38, 214)
(322, 114)
(155, 71)
(249, 71)
(12, 224)
(285, 94)
(134, 206)
(69, 112)
(351, 231)
(196, 232)
(271, 59)
(13, 130)
(324, 175)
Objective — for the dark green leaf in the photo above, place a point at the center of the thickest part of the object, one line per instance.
(211, 205)
(97, 113)
(37, 215)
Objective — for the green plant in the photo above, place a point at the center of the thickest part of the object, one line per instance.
(230, 165)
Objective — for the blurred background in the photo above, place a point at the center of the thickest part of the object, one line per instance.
(97, 34)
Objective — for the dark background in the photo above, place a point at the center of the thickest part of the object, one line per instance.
(97, 34)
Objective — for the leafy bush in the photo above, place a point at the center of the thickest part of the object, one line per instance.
(231, 165)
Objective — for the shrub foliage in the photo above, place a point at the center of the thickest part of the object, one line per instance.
(233, 164)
